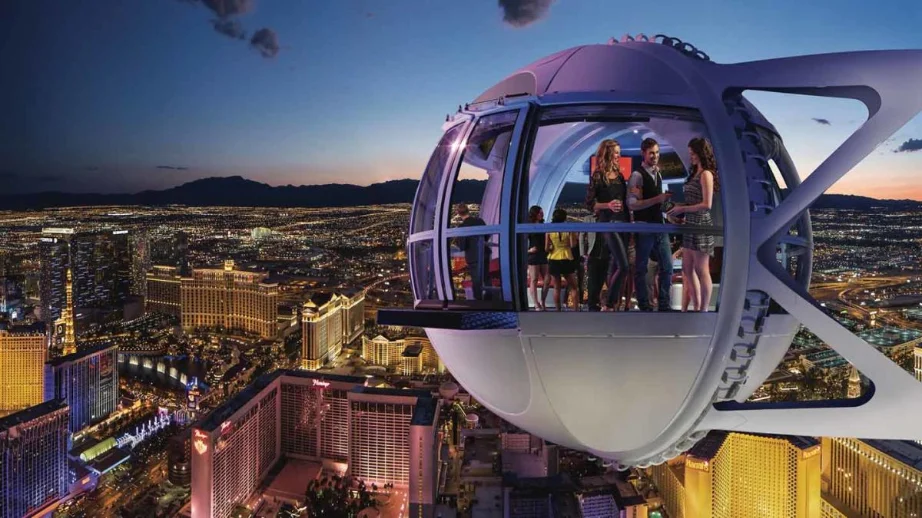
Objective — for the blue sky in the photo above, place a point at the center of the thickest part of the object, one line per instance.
(97, 94)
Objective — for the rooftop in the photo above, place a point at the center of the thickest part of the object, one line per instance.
(25, 329)
(394, 392)
(424, 413)
(80, 354)
(907, 452)
(33, 412)
(225, 411)
(708, 447)
(220, 414)
(324, 376)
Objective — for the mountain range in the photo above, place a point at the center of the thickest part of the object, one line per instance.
(236, 191)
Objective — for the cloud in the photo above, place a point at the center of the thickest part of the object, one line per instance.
(520, 13)
(228, 8)
(824, 122)
(266, 42)
(911, 145)
(231, 28)
(172, 168)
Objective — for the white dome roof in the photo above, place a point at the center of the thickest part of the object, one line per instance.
(640, 67)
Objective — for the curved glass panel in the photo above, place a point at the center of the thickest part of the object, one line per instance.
(634, 255)
(423, 275)
(424, 205)
(479, 181)
(474, 268)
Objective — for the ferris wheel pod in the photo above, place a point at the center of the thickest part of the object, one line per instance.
(640, 388)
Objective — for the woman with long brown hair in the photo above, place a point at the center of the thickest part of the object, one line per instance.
(537, 261)
(606, 197)
(697, 249)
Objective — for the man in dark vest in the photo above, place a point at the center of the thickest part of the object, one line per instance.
(645, 198)
(476, 252)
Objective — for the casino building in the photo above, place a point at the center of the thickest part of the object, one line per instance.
(379, 435)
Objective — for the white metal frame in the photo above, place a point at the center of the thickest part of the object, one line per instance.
(883, 81)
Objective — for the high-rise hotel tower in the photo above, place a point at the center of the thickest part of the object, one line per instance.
(23, 351)
(381, 435)
(328, 322)
(33, 460)
(88, 381)
(231, 299)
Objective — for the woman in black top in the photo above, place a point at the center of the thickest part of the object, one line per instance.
(537, 260)
(606, 197)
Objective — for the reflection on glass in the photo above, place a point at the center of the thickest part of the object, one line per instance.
(423, 270)
(480, 175)
(427, 193)
(474, 263)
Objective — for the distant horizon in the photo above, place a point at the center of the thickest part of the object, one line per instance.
(358, 91)
(407, 179)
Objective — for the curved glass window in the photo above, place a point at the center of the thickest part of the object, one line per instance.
(472, 245)
(479, 181)
(629, 257)
(426, 200)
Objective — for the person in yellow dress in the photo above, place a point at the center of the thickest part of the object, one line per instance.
(559, 246)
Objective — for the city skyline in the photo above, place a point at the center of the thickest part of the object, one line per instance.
(331, 92)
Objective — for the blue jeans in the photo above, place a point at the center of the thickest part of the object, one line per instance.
(657, 247)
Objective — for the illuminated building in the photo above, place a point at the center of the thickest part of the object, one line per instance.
(100, 263)
(854, 383)
(230, 299)
(54, 256)
(873, 477)
(917, 361)
(139, 248)
(727, 475)
(385, 435)
(407, 356)
(63, 338)
(315, 413)
(329, 321)
(669, 478)
(88, 381)
(23, 351)
(164, 293)
(597, 504)
(393, 439)
(33, 460)
(179, 455)
(11, 296)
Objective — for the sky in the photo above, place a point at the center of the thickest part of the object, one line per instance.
(127, 95)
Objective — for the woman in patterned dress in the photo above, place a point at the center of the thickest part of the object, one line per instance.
(697, 249)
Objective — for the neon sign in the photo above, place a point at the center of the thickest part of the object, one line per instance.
(200, 441)
(225, 425)
(321, 384)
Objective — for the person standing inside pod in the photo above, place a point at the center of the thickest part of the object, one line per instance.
(476, 252)
(697, 249)
(605, 197)
(537, 261)
(646, 197)
(596, 253)
(560, 259)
